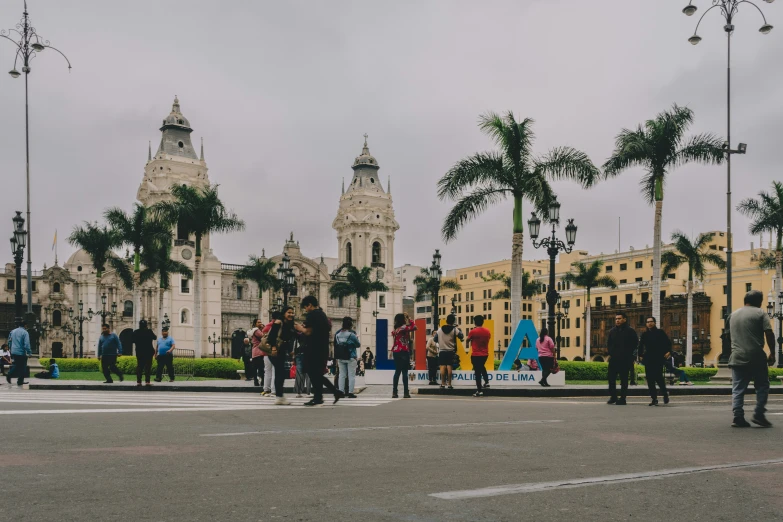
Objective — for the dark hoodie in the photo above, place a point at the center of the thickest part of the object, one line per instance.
(447, 338)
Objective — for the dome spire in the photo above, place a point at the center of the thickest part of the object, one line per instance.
(343, 191)
(175, 106)
(388, 185)
(202, 148)
(365, 149)
(149, 151)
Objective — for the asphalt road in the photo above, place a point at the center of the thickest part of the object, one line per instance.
(174, 456)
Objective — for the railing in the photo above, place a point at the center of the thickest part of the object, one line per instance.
(231, 267)
(185, 362)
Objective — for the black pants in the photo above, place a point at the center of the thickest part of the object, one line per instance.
(143, 365)
(402, 363)
(256, 371)
(618, 368)
(249, 366)
(632, 373)
(547, 363)
(18, 369)
(315, 370)
(433, 368)
(43, 375)
(280, 373)
(478, 368)
(166, 361)
(654, 373)
(109, 365)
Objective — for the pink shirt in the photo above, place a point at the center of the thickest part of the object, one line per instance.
(547, 348)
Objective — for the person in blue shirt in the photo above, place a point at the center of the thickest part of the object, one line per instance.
(19, 340)
(165, 355)
(53, 373)
(345, 344)
(109, 348)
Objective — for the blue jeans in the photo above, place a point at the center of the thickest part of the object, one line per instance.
(347, 367)
(741, 377)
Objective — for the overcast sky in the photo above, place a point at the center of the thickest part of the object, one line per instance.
(282, 93)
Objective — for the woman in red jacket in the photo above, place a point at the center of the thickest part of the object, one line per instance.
(403, 326)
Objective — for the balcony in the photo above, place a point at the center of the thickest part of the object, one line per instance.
(184, 242)
(378, 265)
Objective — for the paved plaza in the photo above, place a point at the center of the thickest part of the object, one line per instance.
(96, 455)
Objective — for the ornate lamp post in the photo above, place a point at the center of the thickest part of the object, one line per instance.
(103, 313)
(285, 274)
(71, 330)
(728, 9)
(779, 316)
(213, 339)
(435, 275)
(28, 44)
(454, 305)
(560, 315)
(553, 247)
(80, 319)
(18, 241)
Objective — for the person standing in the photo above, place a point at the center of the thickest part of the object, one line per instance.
(165, 355)
(546, 355)
(446, 337)
(257, 356)
(19, 340)
(367, 358)
(403, 326)
(109, 348)
(622, 342)
(281, 339)
(317, 330)
(748, 327)
(346, 343)
(654, 344)
(302, 382)
(432, 360)
(478, 342)
(5, 358)
(142, 340)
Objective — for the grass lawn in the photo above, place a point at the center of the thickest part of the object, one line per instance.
(98, 376)
(641, 382)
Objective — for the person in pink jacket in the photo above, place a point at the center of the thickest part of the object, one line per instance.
(546, 354)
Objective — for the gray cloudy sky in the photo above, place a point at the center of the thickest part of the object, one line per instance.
(282, 93)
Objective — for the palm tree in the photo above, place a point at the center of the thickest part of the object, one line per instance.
(355, 282)
(695, 255)
(261, 271)
(659, 146)
(529, 287)
(198, 211)
(158, 263)
(139, 230)
(766, 214)
(98, 242)
(426, 286)
(484, 179)
(589, 277)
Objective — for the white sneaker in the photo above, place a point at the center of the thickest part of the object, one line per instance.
(282, 401)
(298, 395)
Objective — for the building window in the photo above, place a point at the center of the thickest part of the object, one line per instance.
(489, 305)
(182, 232)
(57, 318)
(506, 305)
(382, 301)
(639, 279)
(184, 285)
(10, 284)
(671, 276)
(599, 301)
(663, 295)
(35, 287)
(341, 302)
(748, 287)
(623, 266)
(56, 288)
(578, 339)
(578, 321)
(376, 252)
(623, 281)
(506, 343)
(609, 268)
(724, 289)
(349, 253)
(645, 297)
(639, 264)
(675, 318)
(127, 309)
(578, 302)
(506, 319)
(628, 298)
(184, 316)
(613, 300)
(429, 321)
(239, 292)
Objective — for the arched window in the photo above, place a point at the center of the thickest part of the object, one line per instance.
(349, 253)
(182, 232)
(184, 316)
(56, 288)
(127, 309)
(57, 318)
(376, 252)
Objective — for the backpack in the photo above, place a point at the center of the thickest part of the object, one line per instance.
(341, 351)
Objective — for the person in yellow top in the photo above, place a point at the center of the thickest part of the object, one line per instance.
(432, 360)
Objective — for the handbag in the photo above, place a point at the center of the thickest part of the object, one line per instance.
(292, 373)
(555, 367)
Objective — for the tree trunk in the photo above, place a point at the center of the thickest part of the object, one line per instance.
(136, 300)
(779, 281)
(517, 242)
(588, 324)
(689, 327)
(161, 293)
(197, 299)
(656, 291)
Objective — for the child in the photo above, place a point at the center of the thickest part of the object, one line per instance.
(53, 373)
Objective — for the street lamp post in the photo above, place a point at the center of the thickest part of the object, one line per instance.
(728, 9)
(560, 315)
(213, 339)
(166, 322)
(28, 44)
(285, 274)
(104, 313)
(553, 247)
(71, 330)
(435, 275)
(779, 316)
(80, 319)
(18, 241)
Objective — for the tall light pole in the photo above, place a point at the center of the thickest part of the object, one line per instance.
(17, 248)
(728, 9)
(435, 275)
(560, 315)
(80, 319)
(104, 313)
(213, 339)
(553, 247)
(285, 274)
(779, 316)
(28, 44)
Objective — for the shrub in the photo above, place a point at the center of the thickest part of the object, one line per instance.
(497, 364)
(218, 368)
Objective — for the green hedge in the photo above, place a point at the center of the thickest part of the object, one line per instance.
(218, 368)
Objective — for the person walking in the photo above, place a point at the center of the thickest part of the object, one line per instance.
(478, 342)
(5, 358)
(432, 360)
(302, 382)
(622, 342)
(748, 328)
(368, 358)
(346, 343)
(281, 339)
(403, 326)
(546, 355)
(256, 355)
(19, 340)
(142, 340)
(165, 355)
(317, 330)
(446, 337)
(247, 358)
(109, 348)
(654, 344)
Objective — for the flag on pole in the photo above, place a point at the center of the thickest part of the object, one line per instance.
(54, 243)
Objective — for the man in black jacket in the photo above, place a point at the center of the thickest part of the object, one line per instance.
(318, 331)
(622, 342)
(654, 344)
(142, 340)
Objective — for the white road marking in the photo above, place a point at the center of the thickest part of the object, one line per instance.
(380, 428)
(535, 487)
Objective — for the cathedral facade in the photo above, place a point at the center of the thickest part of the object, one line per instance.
(365, 228)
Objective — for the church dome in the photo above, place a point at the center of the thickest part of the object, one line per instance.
(175, 117)
(80, 258)
(365, 159)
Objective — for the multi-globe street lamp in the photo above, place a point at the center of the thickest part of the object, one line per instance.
(553, 247)
(285, 274)
(435, 276)
(71, 330)
(560, 315)
(773, 314)
(80, 319)
(104, 313)
(213, 340)
(166, 322)
(28, 44)
(728, 9)
(18, 241)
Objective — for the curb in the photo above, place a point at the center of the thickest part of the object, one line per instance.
(585, 392)
(121, 387)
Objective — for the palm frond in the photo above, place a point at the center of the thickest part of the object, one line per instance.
(468, 208)
(477, 170)
(702, 148)
(568, 163)
(123, 270)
